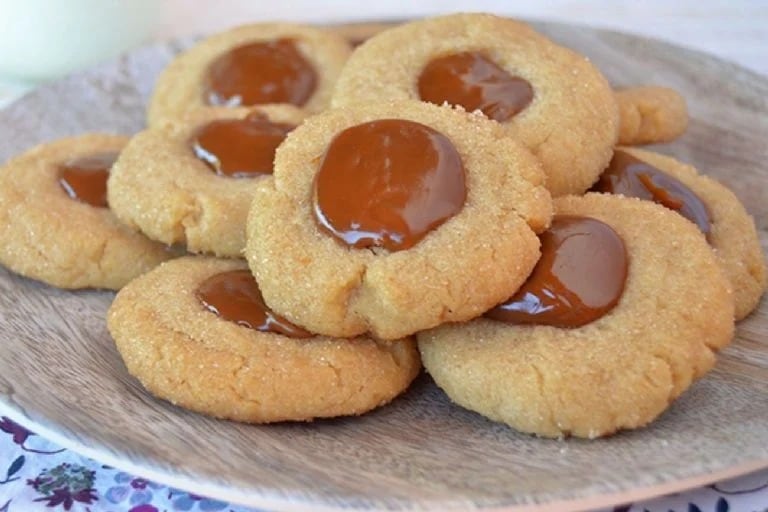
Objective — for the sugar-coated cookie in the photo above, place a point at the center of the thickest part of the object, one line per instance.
(55, 225)
(196, 332)
(647, 114)
(650, 114)
(618, 371)
(394, 217)
(712, 206)
(191, 181)
(548, 97)
(259, 64)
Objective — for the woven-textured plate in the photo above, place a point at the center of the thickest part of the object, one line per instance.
(61, 376)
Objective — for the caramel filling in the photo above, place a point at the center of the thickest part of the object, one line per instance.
(240, 148)
(388, 183)
(236, 297)
(579, 278)
(475, 82)
(85, 179)
(633, 177)
(260, 73)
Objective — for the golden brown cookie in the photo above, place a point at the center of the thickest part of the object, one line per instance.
(548, 97)
(619, 371)
(54, 222)
(170, 183)
(259, 64)
(172, 331)
(650, 114)
(712, 206)
(452, 273)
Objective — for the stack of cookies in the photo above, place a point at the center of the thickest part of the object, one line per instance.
(460, 192)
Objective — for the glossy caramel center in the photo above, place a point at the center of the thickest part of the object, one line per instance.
(475, 82)
(85, 179)
(240, 148)
(579, 278)
(388, 183)
(259, 73)
(236, 297)
(633, 177)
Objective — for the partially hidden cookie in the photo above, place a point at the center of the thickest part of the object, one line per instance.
(55, 225)
(551, 99)
(358, 33)
(710, 205)
(650, 114)
(394, 217)
(656, 305)
(259, 64)
(196, 332)
(191, 181)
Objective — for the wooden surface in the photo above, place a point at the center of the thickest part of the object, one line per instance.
(61, 376)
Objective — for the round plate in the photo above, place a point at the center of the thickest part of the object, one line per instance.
(61, 376)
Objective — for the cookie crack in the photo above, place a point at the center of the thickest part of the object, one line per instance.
(673, 375)
(188, 218)
(537, 148)
(98, 256)
(352, 303)
(339, 384)
(191, 219)
(184, 379)
(336, 372)
(236, 376)
(540, 383)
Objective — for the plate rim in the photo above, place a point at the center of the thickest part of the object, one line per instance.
(281, 503)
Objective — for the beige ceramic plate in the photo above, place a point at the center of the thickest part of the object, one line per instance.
(61, 376)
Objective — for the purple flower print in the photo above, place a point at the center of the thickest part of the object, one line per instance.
(20, 436)
(66, 498)
(184, 502)
(144, 508)
(137, 491)
(139, 483)
(19, 433)
(64, 485)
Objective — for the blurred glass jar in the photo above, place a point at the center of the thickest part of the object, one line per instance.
(44, 39)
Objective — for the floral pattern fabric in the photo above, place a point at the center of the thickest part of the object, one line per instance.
(38, 476)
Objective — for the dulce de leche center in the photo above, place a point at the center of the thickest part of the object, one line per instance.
(387, 184)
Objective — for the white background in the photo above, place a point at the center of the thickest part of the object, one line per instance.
(736, 30)
(56, 36)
